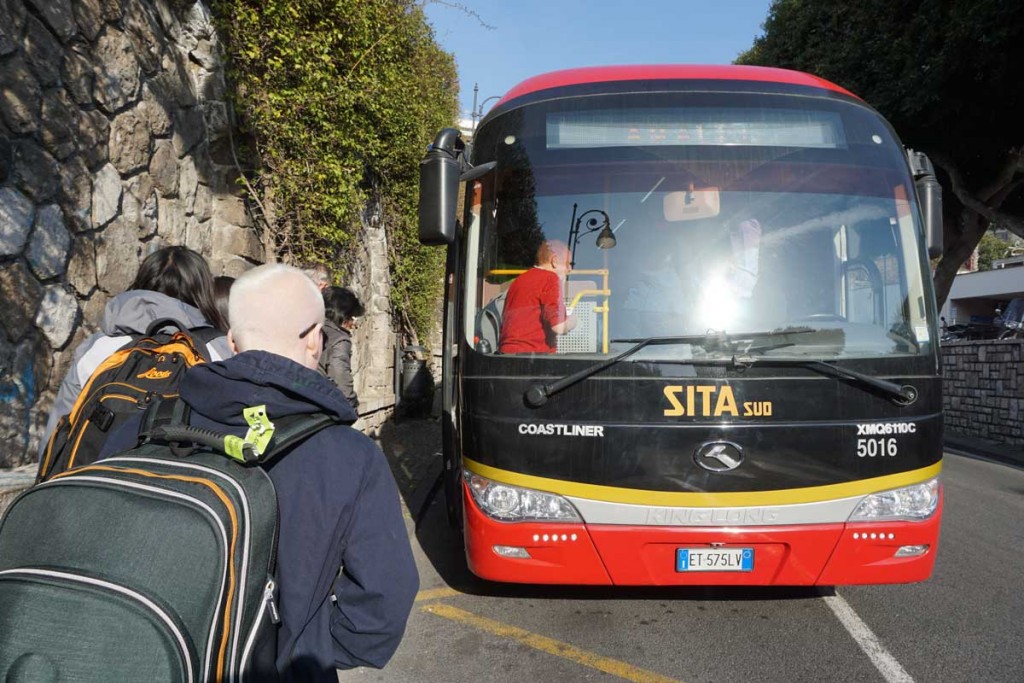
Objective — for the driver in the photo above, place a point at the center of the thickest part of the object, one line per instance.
(535, 305)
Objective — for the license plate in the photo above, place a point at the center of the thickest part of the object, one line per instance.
(714, 559)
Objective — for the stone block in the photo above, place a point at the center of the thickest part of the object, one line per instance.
(172, 220)
(58, 16)
(6, 154)
(233, 266)
(129, 143)
(77, 75)
(12, 21)
(142, 188)
(93, 134)
(231, 240)
(155, 113)
(118, 253)
(20, 294)
(81, 272)
(202, 207)
(89, 17)
(49, 244)
(172, 87)
(143, 30)
(16, 216)
(106, 196)
(36, 173)
(230, 209)
(189, 130)
(59, 123)
(197, 21)
(20, 96)
(75, 196)
(163, 168)
(188, 181)
(43, 53)
(57, 315)
(117, 72)
(199, 236)
(92, 314)
(206, 54)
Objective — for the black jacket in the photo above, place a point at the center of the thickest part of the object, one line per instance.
(339, 507)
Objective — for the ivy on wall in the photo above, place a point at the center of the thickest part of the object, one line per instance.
(338, 100)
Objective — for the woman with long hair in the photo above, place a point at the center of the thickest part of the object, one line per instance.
(173, 283)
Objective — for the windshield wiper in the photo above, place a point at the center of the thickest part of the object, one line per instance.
(903, 395)
(538, 394)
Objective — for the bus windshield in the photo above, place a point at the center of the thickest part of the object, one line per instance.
(786, 224)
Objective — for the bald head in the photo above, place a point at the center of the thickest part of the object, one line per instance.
(553, 255)
(270, 307)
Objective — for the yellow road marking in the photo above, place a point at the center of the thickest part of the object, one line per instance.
(548, 645)
(436, 594)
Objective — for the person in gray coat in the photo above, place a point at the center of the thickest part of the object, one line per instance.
(172, 282)
(342, 310)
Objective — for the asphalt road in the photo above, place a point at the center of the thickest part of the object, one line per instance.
(965, 624)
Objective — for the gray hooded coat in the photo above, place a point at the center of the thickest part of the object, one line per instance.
(126, 314)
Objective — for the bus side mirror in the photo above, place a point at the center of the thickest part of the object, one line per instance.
(929, 192)
(439, 188)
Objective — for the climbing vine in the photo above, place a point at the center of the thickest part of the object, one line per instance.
(336, 101)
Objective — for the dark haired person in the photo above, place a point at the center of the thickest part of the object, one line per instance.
(221, 291)
(342, 309)
(172, 282)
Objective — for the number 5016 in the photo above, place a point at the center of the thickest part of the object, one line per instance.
(880, 447)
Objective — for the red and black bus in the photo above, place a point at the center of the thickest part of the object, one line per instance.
(751, 391)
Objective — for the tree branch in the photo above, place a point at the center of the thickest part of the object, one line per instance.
(1003, 178)
(1014, 224)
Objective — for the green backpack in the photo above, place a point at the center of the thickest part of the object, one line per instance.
(156, 564)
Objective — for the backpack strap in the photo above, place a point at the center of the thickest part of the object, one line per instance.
(203, 336)
(167, 422)
(294, 429)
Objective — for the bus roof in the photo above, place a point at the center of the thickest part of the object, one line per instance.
(647, 72)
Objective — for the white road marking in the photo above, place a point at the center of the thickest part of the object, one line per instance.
(886, 664)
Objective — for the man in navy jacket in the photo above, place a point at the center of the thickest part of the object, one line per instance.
(346, 574)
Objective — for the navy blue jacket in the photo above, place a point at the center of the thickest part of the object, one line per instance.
(339, 507)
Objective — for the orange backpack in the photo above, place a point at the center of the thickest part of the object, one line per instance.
(125, 384)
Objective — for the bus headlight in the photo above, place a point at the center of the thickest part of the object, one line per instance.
(911, 503)
(514, 504)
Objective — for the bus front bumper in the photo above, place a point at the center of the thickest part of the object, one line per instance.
(629, 555)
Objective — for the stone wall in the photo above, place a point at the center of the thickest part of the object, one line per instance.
(115, 140)
(983, 389)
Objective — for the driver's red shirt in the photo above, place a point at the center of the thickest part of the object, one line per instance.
(533, 306)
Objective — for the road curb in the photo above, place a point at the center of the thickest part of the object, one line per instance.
(974, 447)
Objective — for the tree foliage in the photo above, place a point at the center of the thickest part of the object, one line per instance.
(991, 248)
(946, 75)
(339, 99)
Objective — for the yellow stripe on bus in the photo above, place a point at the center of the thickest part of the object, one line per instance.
(549, 645)
(614, 494)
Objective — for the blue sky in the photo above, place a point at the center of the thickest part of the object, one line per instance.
(531, 37)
